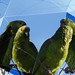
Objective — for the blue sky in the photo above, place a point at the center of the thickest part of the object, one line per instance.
(42, 16)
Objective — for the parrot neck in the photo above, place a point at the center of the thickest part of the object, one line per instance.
(27, 40)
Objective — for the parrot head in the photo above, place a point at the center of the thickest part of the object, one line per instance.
(67, 21)
(14, 25)
(24, 31)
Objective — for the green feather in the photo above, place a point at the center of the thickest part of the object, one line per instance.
(24, 52)
(6, 41)
(54, 51)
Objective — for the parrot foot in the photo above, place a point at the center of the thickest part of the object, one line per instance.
(66, 70)
(69, 70)
(6, 68)
(72, 70)
(13, 66)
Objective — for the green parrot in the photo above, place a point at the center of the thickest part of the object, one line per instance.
(71, 51)
(6, 41)
(24, 51)
(53, 52)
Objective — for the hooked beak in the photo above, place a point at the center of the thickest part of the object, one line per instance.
(27, 30)
(27, 34)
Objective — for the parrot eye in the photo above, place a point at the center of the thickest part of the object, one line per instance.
(20, 23)
(24, 23)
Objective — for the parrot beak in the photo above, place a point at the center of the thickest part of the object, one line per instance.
(27, 31)
(27, 34)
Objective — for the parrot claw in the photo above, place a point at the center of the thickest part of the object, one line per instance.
(13, 66)
(6, 68)
(72, 70)
(68, 70)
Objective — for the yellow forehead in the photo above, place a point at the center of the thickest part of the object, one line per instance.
(22, 28)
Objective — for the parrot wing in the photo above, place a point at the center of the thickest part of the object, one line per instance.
(38, 61)
(54, 51)
(8, 38)
(34, 49)
(71, 53)
(24, 52)
(4, 42)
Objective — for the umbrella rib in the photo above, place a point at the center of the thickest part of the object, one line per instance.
(7, 7)
(6, 20)
(68, 5)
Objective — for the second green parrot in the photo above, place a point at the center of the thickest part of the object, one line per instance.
(53, 52)
(71, 51)
(24, 51)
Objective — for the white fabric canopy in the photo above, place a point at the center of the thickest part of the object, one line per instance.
(13, 8)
